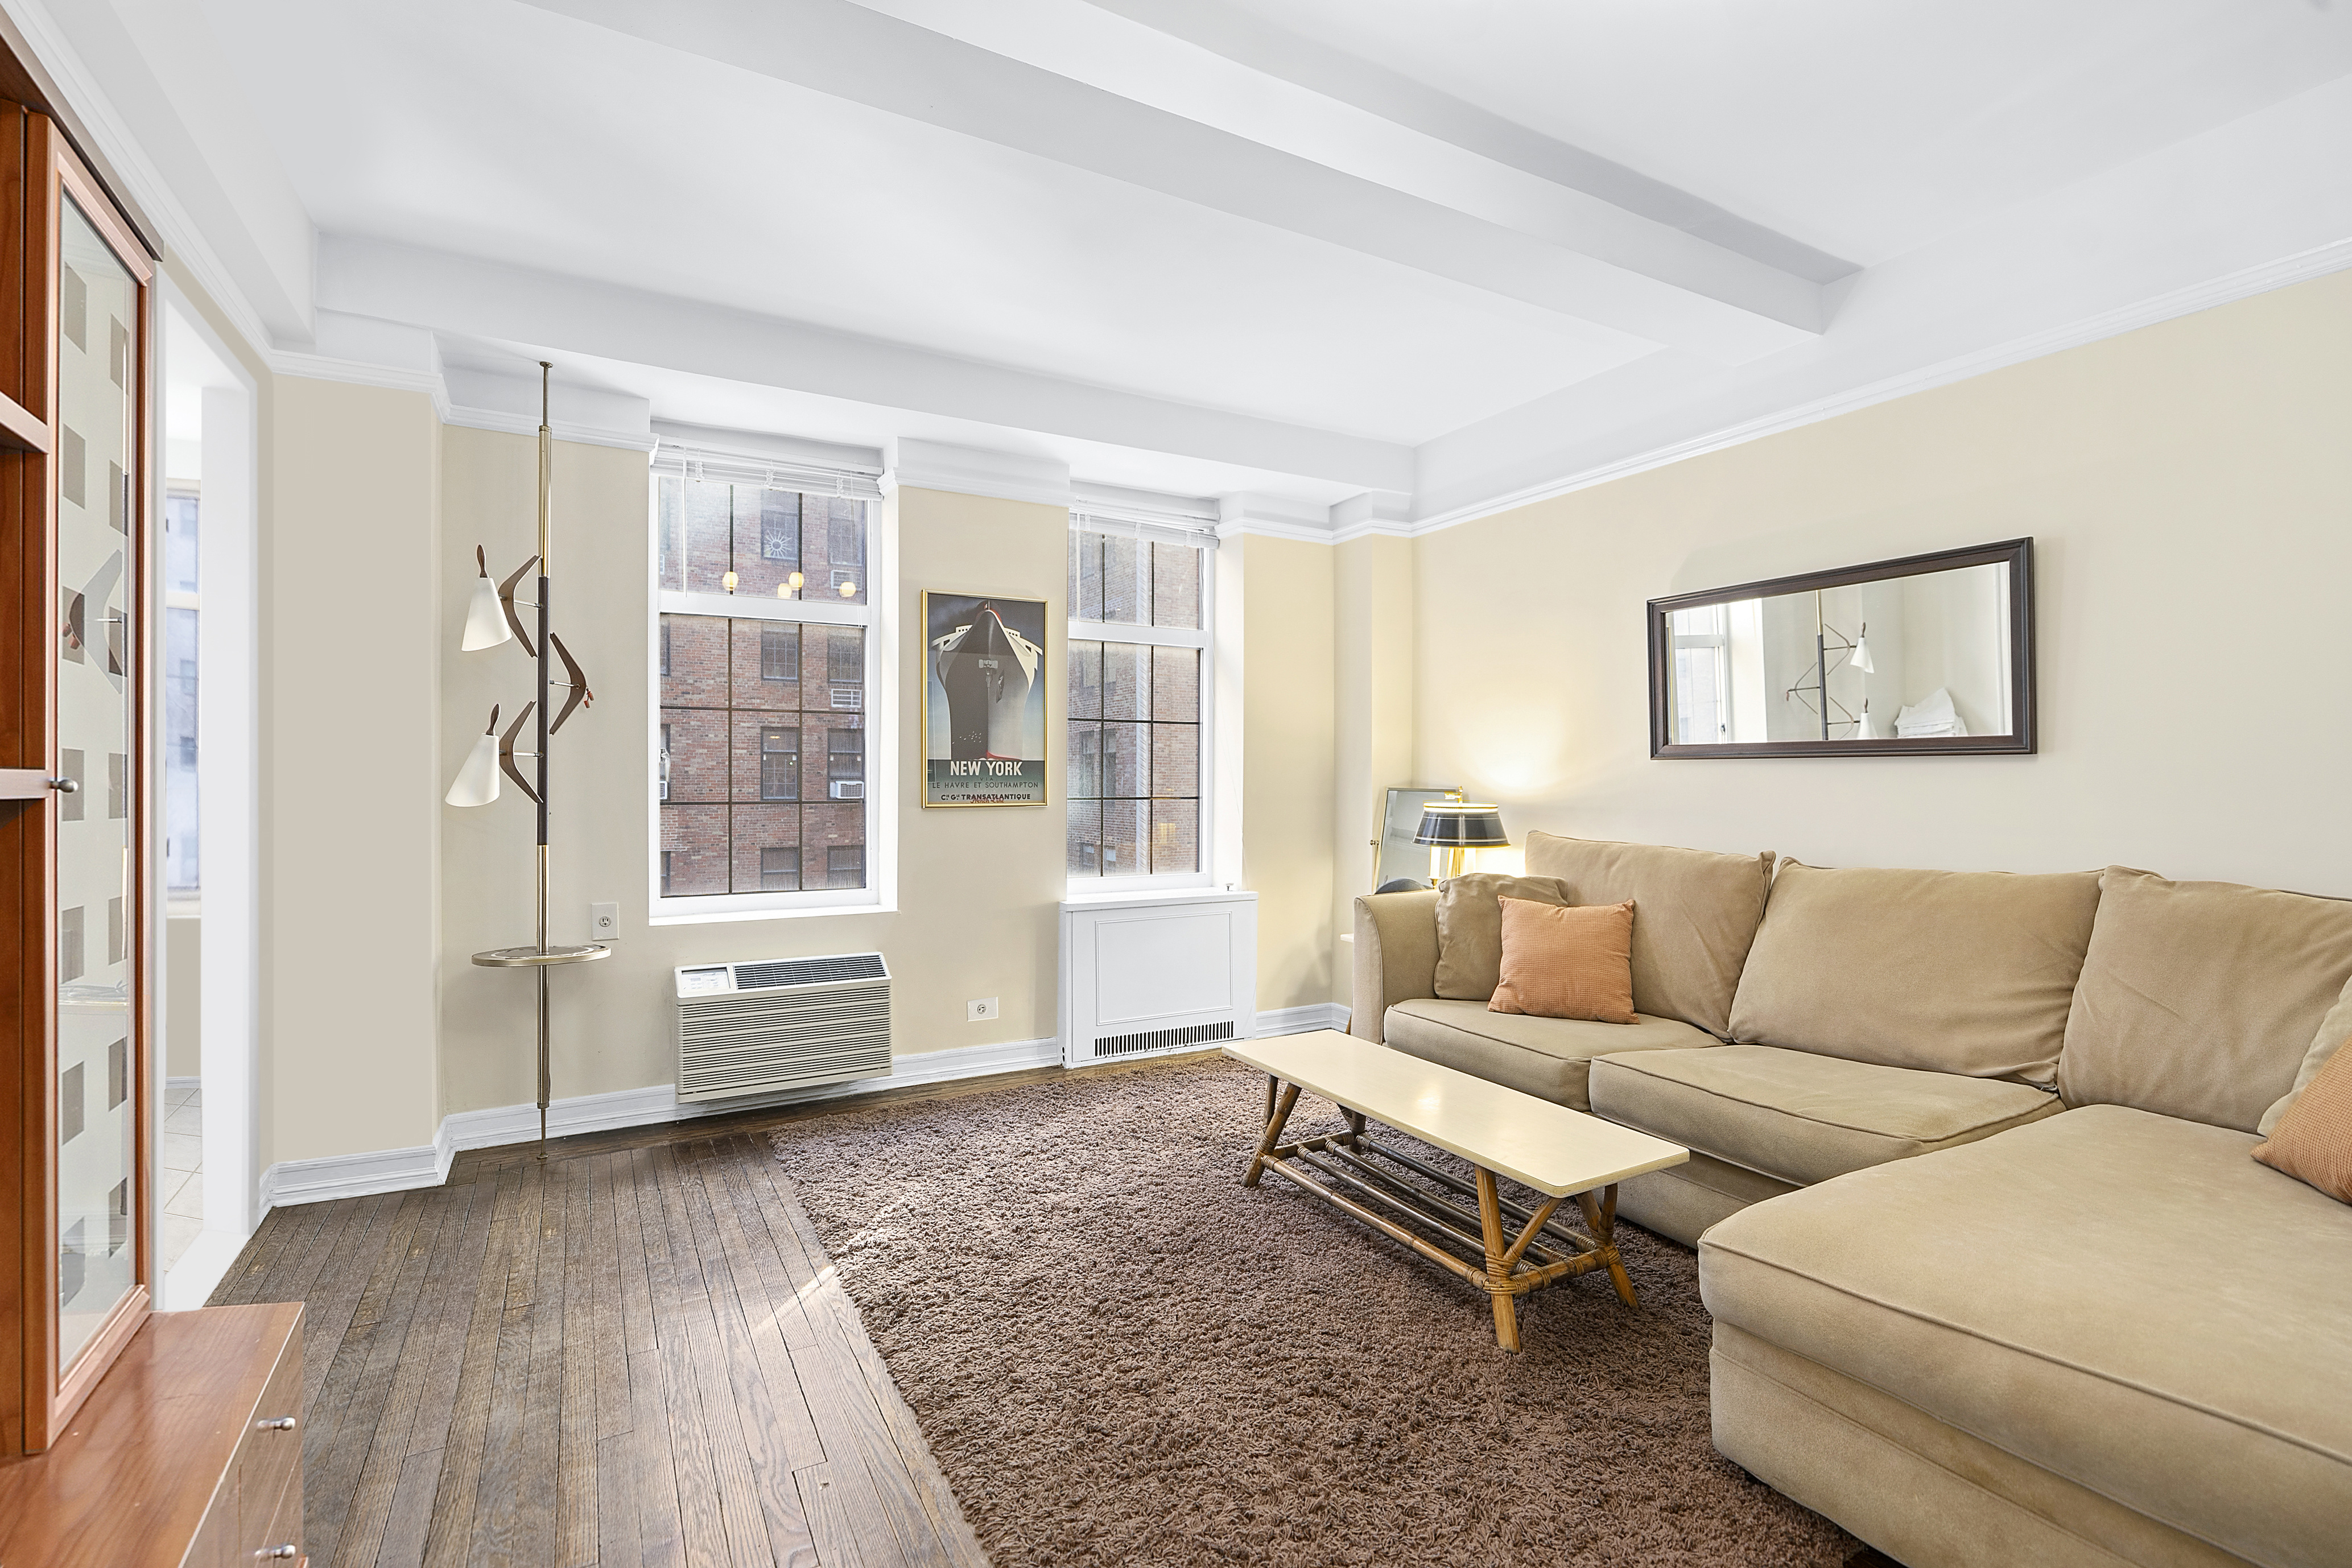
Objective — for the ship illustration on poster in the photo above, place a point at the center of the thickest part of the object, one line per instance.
(984, 700)
(986, 668)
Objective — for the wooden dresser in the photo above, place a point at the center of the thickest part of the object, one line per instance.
(188, 1453)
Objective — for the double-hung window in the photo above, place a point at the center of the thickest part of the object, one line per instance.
(1139, 697)
(767, 642)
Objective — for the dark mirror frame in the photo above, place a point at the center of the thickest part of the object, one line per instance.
(2018, 553)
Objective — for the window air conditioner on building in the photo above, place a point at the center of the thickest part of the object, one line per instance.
(849, 789)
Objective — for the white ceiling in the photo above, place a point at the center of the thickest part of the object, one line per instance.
(1342, 240)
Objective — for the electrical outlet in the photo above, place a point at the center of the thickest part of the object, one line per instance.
(604, 922)
(981, 1010)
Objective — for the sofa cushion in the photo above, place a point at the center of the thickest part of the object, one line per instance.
(1470, 928)
(2200, 999)
(1697, 913)
(2313, 1142)
(2123, 1298)
(1543, 1057)
(2335, 1030)
(1804, 1117)
(1396, 956)
(1958, 972)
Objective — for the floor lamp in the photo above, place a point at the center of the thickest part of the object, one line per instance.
(491, 620)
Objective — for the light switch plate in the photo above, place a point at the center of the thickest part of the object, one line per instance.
(604, 922)
(980, 1011)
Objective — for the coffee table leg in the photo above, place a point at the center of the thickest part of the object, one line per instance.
(1490, 1221)
(1274, 1125)
(1602, 1217)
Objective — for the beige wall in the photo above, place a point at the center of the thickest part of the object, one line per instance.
(1372, 617)
(2190, 491)
(977, 891)
(351, 769)
(1287, 762)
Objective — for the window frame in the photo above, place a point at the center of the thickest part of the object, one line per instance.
(1201, 638)
(877, 617)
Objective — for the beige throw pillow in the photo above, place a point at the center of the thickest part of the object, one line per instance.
(1699, 910)
(2313, 1142)
(2334, 1031)
(1470, 928)
(1567, 963)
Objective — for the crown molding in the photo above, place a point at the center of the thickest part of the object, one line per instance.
(1375, 514)
(975, 471)
(1250, 513)
(184, 241)
(2317, 262)
(358, 373)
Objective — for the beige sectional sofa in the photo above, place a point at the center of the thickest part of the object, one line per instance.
(1994, 1279)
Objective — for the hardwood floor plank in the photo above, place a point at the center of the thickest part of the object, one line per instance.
(414, 1370)
(773, 1450)
(386, 1316)
(343, 1273)
(610, 1360)
(280, 1230)
(628, 1240)
(836, 1544)
(661, 1528)
(765, 1301)
(343, 1409)
(702, 1529)
(618, 1545)
(410, 1519)
(690, 1356)
(576, 1499)
(452, 1526)
(506, 1503)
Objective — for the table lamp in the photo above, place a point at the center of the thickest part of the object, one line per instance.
(1453, 827)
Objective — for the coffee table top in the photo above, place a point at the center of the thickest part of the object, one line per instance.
(1550, 1147)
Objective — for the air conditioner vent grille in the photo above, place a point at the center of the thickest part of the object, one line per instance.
(809, 970)
(1163, 1040)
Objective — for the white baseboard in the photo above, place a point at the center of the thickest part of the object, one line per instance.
(1298, 1020)
(183, 1083)
(427, 1165)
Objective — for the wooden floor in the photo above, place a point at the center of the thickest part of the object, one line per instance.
(633, 1353)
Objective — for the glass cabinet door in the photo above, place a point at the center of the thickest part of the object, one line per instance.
(102, 1207)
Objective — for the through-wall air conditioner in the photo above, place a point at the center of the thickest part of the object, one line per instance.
(1147, 975)
(784, 1023)
(849, 789)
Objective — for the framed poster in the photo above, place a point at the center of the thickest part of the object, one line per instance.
(984, 696)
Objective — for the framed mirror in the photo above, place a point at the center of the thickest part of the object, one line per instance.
(1395, 855)
(1926, 656)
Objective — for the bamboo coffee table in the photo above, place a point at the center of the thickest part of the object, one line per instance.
(1561, 1152)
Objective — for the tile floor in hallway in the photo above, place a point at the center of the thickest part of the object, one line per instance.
(183, 1185)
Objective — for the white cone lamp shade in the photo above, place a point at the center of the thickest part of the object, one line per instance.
(486, 618)
(478, 781)
(1860, 660)
(1869, 725)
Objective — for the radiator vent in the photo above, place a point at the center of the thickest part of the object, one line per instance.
(1162, 1039)
(791, 1023)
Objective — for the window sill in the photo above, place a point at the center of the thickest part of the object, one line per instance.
(797, 912)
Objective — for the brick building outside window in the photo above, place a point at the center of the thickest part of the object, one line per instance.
(766, 647)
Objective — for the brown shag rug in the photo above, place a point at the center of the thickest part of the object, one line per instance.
(1122, 1357)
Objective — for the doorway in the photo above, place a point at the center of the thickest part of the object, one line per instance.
(209, 1168)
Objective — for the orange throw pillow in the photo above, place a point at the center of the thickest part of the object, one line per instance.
(1567, 963)
(2312, 1142)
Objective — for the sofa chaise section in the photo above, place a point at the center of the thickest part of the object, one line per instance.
(2107, 1336)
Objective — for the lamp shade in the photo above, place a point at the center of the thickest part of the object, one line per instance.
(478, 781)
(486, 618)
(1461, 825)
(1860, 657)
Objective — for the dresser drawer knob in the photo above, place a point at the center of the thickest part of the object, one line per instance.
(278, 1553)
(276, 1423)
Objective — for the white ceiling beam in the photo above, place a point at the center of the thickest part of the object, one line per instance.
(491, 301)
(1564, 251)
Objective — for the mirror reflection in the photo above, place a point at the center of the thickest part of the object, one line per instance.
(1902, 656)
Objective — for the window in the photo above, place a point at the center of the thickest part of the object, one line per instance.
(779, 653)
(759, 584)
(780, 769)
(1138, 699)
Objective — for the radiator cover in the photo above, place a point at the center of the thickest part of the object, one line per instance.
(1149, 975)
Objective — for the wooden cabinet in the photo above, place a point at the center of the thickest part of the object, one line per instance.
(78, 1125)
(188, 1453)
